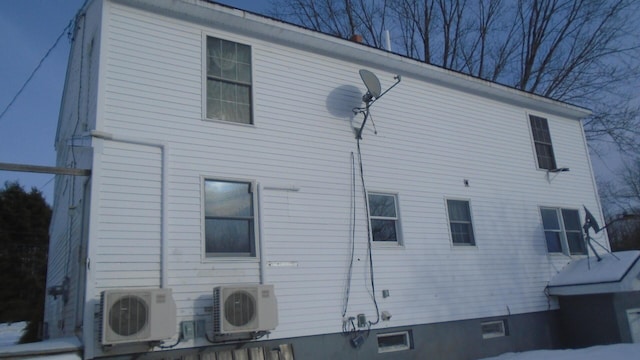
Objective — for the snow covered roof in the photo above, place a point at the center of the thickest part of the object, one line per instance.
(63, 348)
(617, 272)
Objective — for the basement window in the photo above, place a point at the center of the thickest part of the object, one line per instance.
(493, 329)
(397, 341)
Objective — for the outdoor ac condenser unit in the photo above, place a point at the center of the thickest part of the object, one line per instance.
(137, 315)
(244, 308)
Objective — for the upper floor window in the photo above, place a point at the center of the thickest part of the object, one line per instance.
(384, 217)
(460, 222)
(229, 218)
(542, 142)
(228, 81)
(563, 231)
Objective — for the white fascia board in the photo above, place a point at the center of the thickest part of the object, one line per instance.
(261, 27)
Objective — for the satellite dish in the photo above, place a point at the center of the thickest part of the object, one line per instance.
(372, 83)
(590, 221)
(374, 92)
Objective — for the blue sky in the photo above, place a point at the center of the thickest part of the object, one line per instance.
(29, 28)
(27, 131)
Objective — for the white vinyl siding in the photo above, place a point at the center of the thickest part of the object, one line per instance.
(152, 88)
(129, 225)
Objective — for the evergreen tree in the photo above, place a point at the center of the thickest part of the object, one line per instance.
(24, 242)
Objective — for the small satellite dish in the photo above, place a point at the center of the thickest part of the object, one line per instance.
(590, 220)
(372, 83)
(374, 92)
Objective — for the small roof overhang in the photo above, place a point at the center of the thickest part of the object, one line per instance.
(615, 273)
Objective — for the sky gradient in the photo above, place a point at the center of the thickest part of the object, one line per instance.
(29, 29)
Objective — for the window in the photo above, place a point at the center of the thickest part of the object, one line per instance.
(228, 81)
(460, 222)
(493, 329)
(397, 341)
(229, 218)
(542, 142)
(384, 217)
(562, 231)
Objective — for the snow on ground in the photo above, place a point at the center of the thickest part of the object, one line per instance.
(11, 333)
(608, 352)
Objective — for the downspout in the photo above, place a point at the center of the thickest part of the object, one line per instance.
(164, 194)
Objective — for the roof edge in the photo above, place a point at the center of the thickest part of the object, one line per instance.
(259, 26)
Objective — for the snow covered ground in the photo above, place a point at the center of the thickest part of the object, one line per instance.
(608, 352)
(10, 333)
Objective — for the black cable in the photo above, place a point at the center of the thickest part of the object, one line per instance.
(33, 73)
(72, 194)
(369, 240)
(161, 346)
(352, 236)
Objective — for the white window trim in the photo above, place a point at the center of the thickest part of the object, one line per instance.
(491, 335)
(203, 77)
(399, 243)
(256, 222)
(394, 348)
(564, 242)
(533, 140)
(473, 230)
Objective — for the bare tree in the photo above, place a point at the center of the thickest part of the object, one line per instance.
(342, 18)
(621, 204)
(579, 51)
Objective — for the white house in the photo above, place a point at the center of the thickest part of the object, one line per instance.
(224, 160)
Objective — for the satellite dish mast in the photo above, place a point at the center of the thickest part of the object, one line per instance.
(374, 92)
(590, 222)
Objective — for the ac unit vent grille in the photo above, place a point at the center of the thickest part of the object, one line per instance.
(136, 315)
(244, 308)
(128, 316)
(239, 308)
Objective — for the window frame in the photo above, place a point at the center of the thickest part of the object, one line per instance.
(406, 345)
(474, 242)
(565, 244)
(396, 219)
(254, 251)
(491, 335)
(541, 142)
(206, 77)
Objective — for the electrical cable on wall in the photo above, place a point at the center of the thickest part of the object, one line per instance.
(369, 240)
(352, 237)
(374, 92)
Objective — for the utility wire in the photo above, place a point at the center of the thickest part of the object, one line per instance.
(55, 44)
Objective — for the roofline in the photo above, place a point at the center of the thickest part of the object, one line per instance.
(259, 26)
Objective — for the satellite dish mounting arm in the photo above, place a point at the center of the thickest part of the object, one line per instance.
(373, 94)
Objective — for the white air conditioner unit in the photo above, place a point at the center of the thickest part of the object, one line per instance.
(244, 308)
(137, 315)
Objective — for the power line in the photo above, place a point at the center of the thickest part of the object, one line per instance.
(64, 31)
